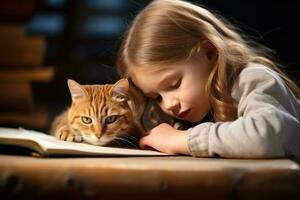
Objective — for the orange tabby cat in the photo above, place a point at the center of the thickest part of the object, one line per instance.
(98, 115)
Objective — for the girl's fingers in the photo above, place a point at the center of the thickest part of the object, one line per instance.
(143, 143)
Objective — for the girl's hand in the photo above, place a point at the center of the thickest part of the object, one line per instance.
(167, 139)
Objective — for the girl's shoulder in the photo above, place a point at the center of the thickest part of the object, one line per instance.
(256, 74)
(259, 85)
(260, 78)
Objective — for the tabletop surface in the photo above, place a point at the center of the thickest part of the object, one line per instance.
(170, 177)
(172, 163)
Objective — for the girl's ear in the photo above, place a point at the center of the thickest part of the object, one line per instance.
(210, 50)
(120, 89)
(76, 90)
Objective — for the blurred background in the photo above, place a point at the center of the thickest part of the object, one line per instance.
(45, 42)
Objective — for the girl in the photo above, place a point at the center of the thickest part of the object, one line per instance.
(194, 65)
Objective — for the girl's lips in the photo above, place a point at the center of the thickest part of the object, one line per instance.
(183, 114)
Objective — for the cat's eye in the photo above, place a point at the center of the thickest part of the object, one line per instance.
(110, 119)
(86, 120)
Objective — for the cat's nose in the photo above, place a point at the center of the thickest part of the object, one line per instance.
(98, 135)
(98, 131)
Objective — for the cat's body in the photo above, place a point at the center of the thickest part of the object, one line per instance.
(99, 115)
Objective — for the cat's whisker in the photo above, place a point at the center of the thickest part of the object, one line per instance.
(118, 143)
(123, 139)
(130, 137)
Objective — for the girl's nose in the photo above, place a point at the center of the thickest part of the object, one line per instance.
(171, 104)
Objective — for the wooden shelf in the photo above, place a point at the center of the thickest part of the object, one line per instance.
(37, 118)
(19, 49)
(33, 75)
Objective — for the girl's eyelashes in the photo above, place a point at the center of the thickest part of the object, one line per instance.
(175, 84)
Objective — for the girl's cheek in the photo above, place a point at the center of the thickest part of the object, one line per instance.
(189, 95)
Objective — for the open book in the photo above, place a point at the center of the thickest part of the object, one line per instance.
(46, 145)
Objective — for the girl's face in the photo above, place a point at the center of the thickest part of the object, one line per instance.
(179, 89)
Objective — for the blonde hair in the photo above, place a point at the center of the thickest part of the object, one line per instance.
(168, 31)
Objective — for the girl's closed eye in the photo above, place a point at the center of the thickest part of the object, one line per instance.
(175, 84)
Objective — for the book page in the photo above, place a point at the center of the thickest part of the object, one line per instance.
(52, 145)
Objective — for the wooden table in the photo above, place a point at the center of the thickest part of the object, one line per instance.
(171, 177)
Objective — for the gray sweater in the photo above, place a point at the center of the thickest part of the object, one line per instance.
(267, 126)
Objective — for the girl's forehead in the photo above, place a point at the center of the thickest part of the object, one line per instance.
(143, 73)
(140, 73)
(149, 78)
(157, 68)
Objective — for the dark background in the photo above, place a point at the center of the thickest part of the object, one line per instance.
(83, 37)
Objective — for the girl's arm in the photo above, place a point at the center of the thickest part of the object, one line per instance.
(267, 125)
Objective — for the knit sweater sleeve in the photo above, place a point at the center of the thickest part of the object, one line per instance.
(267, 125)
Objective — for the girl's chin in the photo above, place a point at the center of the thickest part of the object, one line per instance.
(197, 119)
(188, 120)
(192, 118)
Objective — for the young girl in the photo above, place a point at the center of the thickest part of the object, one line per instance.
(195, 65)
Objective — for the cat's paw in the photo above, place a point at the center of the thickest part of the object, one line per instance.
(67, 135)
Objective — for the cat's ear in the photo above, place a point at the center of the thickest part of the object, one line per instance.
(120, 90)
(76, 90)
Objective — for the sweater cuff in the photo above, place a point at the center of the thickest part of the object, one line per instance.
(198, 140)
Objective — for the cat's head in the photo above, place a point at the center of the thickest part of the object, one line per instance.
(100, 113)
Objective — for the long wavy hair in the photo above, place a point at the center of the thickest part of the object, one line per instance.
(169, 31)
